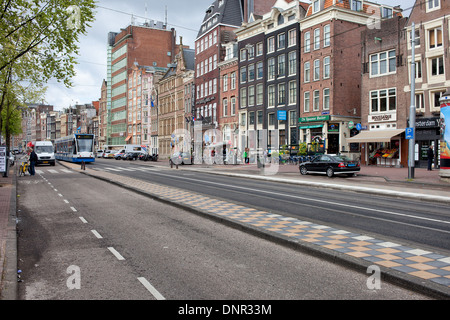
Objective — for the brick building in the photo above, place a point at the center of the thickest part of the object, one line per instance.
(331, 86)
(148, 44)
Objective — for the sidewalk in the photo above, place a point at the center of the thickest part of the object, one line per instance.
(8, 244)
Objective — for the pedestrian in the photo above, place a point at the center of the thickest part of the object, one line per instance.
(33, 161)
(246, 156)
(430, 155)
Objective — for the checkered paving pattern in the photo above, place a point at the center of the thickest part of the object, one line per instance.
(415, 262)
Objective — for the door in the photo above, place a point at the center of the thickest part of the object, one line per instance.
(333, 144)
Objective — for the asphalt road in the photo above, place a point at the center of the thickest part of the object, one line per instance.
(84, 239)
(418, 223)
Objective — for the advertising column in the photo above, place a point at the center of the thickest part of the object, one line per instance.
(445, 138)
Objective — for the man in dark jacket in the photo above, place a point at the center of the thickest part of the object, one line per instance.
(33, 161)
(430, 155)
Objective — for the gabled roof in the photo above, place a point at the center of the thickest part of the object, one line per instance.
(227, 12)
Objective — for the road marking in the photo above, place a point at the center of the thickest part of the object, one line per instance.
(152, 289)
(116, 254)
(125, 169)
(97, 234)
(112, 169)
(66, 171)
(66, 201)
(73, 209)
(60, 195)
(55, 190)
(83, 220)
(52, 171)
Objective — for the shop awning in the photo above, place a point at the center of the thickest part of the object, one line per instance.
(375, 136)
(128, 138)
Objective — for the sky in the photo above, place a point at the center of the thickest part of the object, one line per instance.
(112, 15)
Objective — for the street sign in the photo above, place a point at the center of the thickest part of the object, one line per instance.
(359, 127)
(282, 115)
(409, 133)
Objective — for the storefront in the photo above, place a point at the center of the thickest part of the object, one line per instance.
(385, 148)
(427, 134)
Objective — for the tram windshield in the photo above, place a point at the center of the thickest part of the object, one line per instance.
(85, 144)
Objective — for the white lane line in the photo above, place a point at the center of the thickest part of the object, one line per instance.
(66, 171)
(83, 220)
(116, 254)
(52, 171)
(66, 201)
(55, 190)
(152, 289)
(73, 209)
(97, 234)
(60, 195)
(112, 169)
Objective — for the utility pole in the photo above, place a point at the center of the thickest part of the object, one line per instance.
(412, 110)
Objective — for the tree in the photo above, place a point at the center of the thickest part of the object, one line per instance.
(38, 41)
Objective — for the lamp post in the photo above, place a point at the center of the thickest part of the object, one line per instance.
(445, 135)
(412, 110)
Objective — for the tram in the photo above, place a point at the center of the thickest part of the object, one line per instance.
(76, 148)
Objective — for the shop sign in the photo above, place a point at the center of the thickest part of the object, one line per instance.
(3, 159)
(333, 127)
(314, 119)
(282, 115)
(427, 123)
(383, 117)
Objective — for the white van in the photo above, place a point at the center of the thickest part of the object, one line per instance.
(45, 152)
(133, 148)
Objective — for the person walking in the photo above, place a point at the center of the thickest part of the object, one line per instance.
(430, 154)
(33, 161)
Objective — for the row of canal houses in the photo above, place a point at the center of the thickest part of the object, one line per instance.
(271, 75)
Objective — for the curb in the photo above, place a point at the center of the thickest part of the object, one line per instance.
(388, 275)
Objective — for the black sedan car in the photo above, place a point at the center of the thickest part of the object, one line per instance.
(331, 165)
(130, 156)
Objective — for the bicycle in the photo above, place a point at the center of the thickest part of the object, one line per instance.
(23, 169)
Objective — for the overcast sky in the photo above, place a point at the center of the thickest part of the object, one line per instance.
(112, 15)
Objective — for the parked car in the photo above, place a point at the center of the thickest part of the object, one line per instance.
(99, 153)
(108, 154)
(330, 165)
(148, 157)
(181, 158)
(119, 155)
(131, 156)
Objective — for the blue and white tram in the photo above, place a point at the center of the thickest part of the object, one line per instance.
(76, 148)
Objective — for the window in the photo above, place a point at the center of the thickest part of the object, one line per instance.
(418, 69)
(251, 51)
(281, 94)
(383, 63)
(251, 96)
(307, 72)
(356, 5)
(436, 96)
(383, 100)
(326, 99)
(306, 99)
(292, 63)
(251, 72)
(281, 41)
(316, 70)
(260, 117)
(225, 107)
(271, 96)
(243, 120)
(326, 67)
(233, 81)
(280, 19)
(271, 69)
(259, 94)
(293, 92)
(251, 118)
(316, 6)
(281, 65)
(271, 44)
(292, 40)
(225, 83)
(435, 36)
(243, 74)
(420, 105)
(307, 41)
(433, 4)
(386, 13)
(316, 102)
(271, 119)
(233, 106)
(326, 35)
(243, 97)
(437, 66)
(316, 39)
(259, 70)
(243, 55)
(416, 36)
(259, 49)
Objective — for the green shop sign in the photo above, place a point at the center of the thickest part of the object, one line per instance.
(314, 119)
